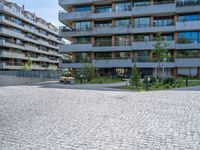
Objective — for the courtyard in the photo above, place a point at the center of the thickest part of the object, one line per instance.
(79, 117)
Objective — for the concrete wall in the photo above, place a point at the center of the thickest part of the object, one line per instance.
(11, 81)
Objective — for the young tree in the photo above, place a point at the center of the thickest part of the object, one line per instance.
(27, 66)
(159, 51)
(88, 72)
(135, 77)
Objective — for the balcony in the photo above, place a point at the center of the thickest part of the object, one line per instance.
(187, 45)
(187, 62)
(109, 63)
(149, 45)
(76, 48)
(188, 25)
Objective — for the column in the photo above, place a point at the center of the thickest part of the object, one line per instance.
(151, 55)
(174, 54)
(151, 21)
(174, 72)
(113, 55)
(198, 74)
(73, 57)
(113, 7)
(113, 40)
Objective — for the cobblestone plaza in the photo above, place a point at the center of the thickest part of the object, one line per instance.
(49, 117)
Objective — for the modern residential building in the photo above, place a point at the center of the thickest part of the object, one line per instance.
(25, 36)
(114, 35)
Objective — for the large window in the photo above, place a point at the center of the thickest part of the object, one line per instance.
(103, 55)
(103, 41)
(187, 54)
(163, 21)
(83, 26)
(188, 37)
(82, 40)
(103, 9)
(83, 57)
(123, 6)
(141, 37)
(122, 55)
(100, 24)
(141, 22)
(82, 8)
(123, 22)
(141, 56)
(123, 40)
(191, 17)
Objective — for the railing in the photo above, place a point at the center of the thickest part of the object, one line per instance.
(33, 74)
(182, 3)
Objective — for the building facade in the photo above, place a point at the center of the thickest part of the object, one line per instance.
(24, 36)
(114, 35)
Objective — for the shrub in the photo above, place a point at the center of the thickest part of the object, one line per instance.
(66, 73)
(88, 72)
(135, 79)
(152, 79)
(169, 81)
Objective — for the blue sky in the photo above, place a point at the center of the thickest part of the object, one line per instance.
(46, 9)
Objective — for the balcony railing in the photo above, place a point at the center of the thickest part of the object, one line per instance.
(182, 3)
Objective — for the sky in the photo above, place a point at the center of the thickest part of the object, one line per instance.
(45, 9)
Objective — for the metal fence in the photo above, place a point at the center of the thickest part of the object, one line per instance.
(33, 74)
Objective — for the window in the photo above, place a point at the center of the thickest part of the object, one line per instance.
(82, 8)
(123, 22)
(142, 37)
(103, 9)
(123, 40)
(122, 55)
(141, 22)
(83, 26)
(100, 24)
(83, 57)
(123, 7)
(187, 54)
(103, 55)
(82, 40)
(188, 37)
(103, 41)
(142, 56)
(164, 21)
(192, 17)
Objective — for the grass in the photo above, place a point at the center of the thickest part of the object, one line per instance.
(101, 80)
(180, 83)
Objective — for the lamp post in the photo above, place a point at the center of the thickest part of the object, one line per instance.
(81, 79)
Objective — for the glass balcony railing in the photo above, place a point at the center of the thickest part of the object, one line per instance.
(188, 2)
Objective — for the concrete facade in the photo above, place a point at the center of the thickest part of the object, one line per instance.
(116, 35)
(23, 35)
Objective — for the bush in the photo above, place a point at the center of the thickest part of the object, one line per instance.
(152, 79)
(169, 81)
(66, 73)
(135, 79)
(88, 72)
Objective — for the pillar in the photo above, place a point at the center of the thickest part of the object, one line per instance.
(113, 7)
(150, 55)
(73, 57)
(113, 55)
(174, 72)
(198, 72)
(113, 40)
(198, 53)
(151, 21)
(174, 54)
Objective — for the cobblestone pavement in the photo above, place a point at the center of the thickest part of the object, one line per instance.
(42, 117)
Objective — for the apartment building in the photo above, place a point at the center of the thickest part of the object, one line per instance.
(24, 36)
(114, 35)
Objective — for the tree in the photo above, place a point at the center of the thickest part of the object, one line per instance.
(66, 73)
(159, 51)
(135, 78)
(28, 65)
(88, 72)
(52, 67)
